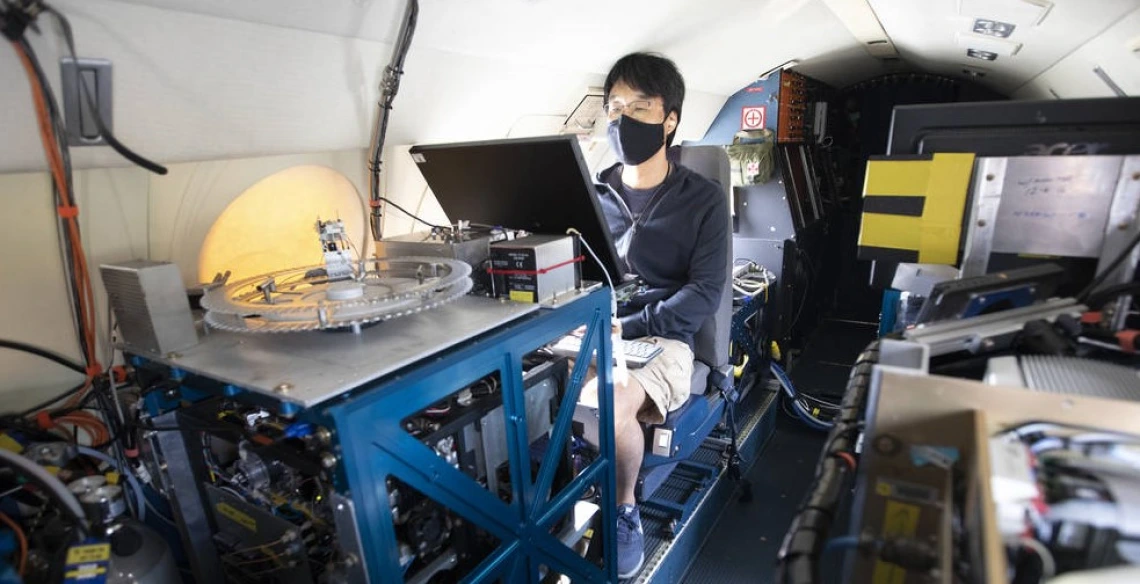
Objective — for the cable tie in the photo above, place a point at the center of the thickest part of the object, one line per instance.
(68, 211)
(44, 421)
(1128, 340)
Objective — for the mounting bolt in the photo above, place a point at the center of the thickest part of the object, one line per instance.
(990, 177)
(323, 435)
(988, 344)
(328, 460)
(1136, 176)
(1124, 225)
(981, 222)
(283, 387)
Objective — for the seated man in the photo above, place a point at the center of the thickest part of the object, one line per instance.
(670, 226)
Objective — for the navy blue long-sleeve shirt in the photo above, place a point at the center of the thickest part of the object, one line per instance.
(678, 246)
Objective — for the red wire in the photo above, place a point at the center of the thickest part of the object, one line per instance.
(848, 458)
(538, 272)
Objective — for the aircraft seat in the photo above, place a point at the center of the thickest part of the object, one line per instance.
(685, 429)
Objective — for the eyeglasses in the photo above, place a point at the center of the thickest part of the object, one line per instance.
(638, 110)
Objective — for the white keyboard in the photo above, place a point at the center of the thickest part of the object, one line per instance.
(637, 353)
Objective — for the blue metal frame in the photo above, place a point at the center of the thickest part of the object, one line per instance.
(374, 446)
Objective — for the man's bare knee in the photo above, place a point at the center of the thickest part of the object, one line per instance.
(628, 400)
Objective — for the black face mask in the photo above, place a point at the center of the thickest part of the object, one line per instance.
(635, 142)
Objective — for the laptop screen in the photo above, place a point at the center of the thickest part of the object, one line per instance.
(540, 185)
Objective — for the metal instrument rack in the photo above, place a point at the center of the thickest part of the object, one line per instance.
(368, 444)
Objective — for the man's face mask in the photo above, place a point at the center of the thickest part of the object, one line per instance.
(634, 141)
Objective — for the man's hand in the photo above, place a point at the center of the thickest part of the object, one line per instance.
(615, 329)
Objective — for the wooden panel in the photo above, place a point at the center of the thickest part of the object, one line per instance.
(792, 122)
(918, 410)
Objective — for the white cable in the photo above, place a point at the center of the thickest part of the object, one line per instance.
(621, 373)
(1048, 565)
(605, 272)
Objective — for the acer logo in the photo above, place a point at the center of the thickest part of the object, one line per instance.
(1065, 149)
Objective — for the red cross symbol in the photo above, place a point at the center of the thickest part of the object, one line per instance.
(752, 117)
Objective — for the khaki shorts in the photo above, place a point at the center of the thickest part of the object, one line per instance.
(666, 380)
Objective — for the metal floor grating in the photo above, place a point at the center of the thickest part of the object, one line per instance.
(662, 551)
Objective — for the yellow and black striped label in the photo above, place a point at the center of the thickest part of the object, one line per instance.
(913, 208)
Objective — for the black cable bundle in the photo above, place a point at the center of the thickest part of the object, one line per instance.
(798, 559)
(389, 86)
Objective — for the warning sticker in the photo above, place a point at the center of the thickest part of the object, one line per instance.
(522, 296)
(900, 519)
(907, 492)
(82, 554)
(752, 117)
(235, 515)
(87, 564)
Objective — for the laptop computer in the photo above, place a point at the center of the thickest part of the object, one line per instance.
(541, 185)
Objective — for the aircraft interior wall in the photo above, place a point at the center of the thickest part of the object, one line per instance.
(226, 102)
(216, 151)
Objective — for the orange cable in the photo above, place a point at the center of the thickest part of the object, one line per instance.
(21, 538)
(80, 275)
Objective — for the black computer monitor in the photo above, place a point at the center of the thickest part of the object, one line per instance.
(1055, 127)
(541, 185)
(1019, 128)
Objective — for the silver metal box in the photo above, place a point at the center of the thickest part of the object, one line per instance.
(150, 305)
(535, 268)
(474, 251)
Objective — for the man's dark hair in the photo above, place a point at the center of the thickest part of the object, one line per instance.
(653, 75)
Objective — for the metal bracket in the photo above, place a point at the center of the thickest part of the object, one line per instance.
(86, 81)
(1123, 226)
(989, 176)
(352, 560)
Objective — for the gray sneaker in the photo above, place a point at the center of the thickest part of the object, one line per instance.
(630, 542)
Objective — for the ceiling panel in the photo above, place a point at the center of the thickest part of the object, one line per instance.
(926, 33)
(721, 45)
(1114, 51)
(1018, 12)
